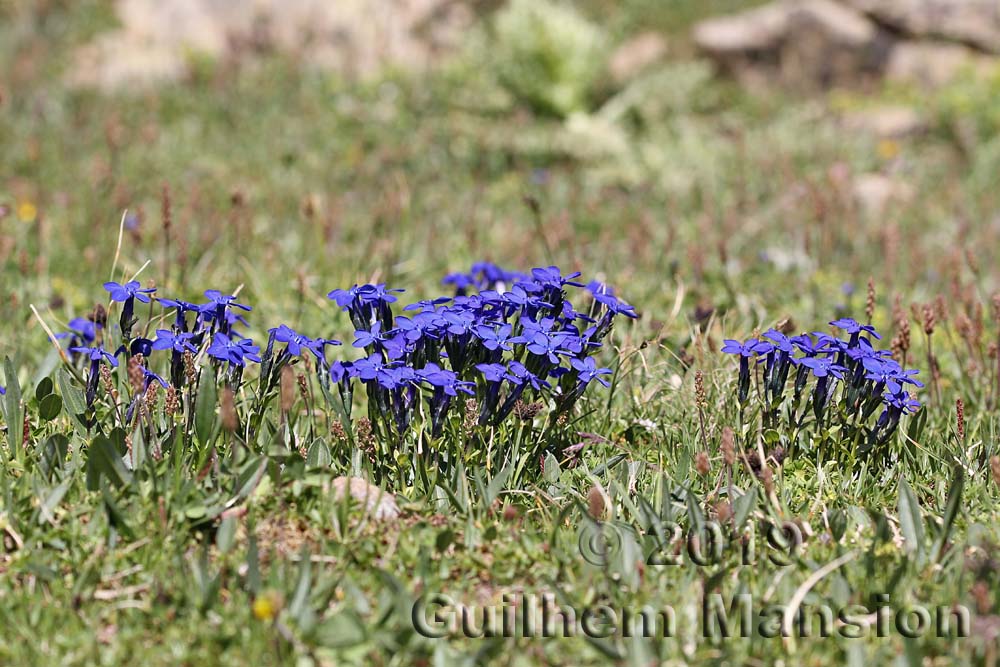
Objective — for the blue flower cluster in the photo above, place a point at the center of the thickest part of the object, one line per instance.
(502, 336)
(848, 373)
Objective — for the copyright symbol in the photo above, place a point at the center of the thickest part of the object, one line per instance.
(599, 542)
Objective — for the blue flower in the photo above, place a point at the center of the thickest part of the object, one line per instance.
(183, 307)
(615, 305)
(218, 301)
(150, 377)
(339, 370)
(443, 379)
(780, 341)
(519, 375)
(747, 349)
(96, 354)
(178, 342)
(296, 342)
(853, 328)
(235, 351)
(822, 367)
(901, 401)
(492, 372)
(893, 377)
(130, 290)
(588, 370)
(81, 332)
(812, 348)
(551, 276)
(494, 338)
(142, 346)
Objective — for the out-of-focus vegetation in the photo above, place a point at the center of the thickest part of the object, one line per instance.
(718, 212)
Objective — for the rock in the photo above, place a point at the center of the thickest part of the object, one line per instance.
(157, 39)
(379, 504)
(972, 22)
(753, 31)
(932, 64)
(635, 55)
(890, 122)
(802, 43)
(873, 193)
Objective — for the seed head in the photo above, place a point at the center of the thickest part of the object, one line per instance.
(595, 503)
(960, 419)
(929, 318)
(728, 446)
(172, 404)
(702, 464)
(995, 469)
(699, 390)
(135, 374)
(870, 303)
(227, 409)
(287, 389)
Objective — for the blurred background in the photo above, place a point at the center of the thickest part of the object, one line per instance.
(753, 159)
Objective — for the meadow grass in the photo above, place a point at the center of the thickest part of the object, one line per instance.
(728, 214)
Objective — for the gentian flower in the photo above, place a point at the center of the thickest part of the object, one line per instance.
(494, 338)
(96, 354)
(219, 310)
(588, 370)
(183, 307)
(130, 290)
(236, 352)
(127, 294)
(492, 372)
(853, 328)
(178, 342)
(82, 332)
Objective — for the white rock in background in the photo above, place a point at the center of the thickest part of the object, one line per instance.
(798, 42)
(635, 55)
(358, 37)
(932, 64)
(973, 22)
(888, 122)
(379, 504)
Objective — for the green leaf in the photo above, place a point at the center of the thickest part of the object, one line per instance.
(12, 406)
(497, 484)
(105, 461)
(115, 516)
(54, 452)
(319, 455)
(226, 535)
(205, 404)
(43, 389)
(695, 515)
(49, 407)
(52, 500)
(72, 398)
(950, 513)
(342, 630)
(910, 520)
(552, 470)
(743, 506)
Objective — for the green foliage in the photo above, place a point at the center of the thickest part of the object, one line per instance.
(548, 55)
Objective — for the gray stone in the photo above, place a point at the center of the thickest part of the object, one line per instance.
(157, 38)
(932, 64)
(635, 55)
(972, 22)
(888, 122)
(807, 43)
(377, 503)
